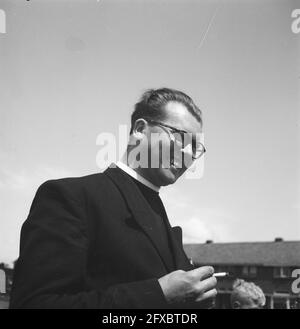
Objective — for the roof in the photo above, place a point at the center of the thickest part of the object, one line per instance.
(284, 253)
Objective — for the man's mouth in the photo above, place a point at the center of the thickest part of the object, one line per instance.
(175, 165)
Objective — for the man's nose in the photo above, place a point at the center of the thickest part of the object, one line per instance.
(187, 153)
(187, 150)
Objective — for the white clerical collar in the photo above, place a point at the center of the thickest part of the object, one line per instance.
(137, 176)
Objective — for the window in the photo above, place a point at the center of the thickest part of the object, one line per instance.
(249, 271)
(295, 303)
(245, 271)
(280, 303)
(230, 269)
(252, 271)
(286, 272)
(276, 272)
(282, 272)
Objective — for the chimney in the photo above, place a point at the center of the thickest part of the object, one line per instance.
(278, 239)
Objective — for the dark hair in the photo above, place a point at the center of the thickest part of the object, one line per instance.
(153, 101)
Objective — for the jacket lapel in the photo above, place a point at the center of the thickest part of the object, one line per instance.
(140, 209)
(181, 260)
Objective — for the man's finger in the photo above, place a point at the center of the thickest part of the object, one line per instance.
(202, 272)
(206, 285)
(208, 294)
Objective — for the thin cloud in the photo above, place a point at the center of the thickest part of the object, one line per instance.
(199, 223)
(17, 189)
(24, 180)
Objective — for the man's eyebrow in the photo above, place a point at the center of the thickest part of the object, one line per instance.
(181, 130)
(177, 129)
(174, 128)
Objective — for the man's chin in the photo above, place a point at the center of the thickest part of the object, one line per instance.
(168, 176)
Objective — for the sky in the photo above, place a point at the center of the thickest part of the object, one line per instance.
(71, 70)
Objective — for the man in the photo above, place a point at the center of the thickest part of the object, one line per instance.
(104, 240)
(246, 295)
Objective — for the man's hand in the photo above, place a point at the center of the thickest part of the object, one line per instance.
(196, 285)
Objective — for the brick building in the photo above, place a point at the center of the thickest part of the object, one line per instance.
(268, 264)
(6, 273)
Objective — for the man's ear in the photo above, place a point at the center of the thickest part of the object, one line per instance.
(236, 305)
(139, 127)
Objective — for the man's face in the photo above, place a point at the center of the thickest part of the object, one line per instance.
(244, 302)
(170, 167)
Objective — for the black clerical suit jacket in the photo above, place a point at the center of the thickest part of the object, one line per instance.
(88, 242)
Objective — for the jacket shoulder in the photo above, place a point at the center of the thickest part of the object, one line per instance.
(73, 182)
(77, 188)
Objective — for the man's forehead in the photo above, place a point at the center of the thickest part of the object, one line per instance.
(175, 108)
(178, 115)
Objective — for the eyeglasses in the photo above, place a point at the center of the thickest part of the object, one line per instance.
(179, 137)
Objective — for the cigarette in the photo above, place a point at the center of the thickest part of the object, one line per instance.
(220, 274)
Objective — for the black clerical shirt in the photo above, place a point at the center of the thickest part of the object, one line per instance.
(160, 218)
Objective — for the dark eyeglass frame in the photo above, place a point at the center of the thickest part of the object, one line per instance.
(170, 133)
